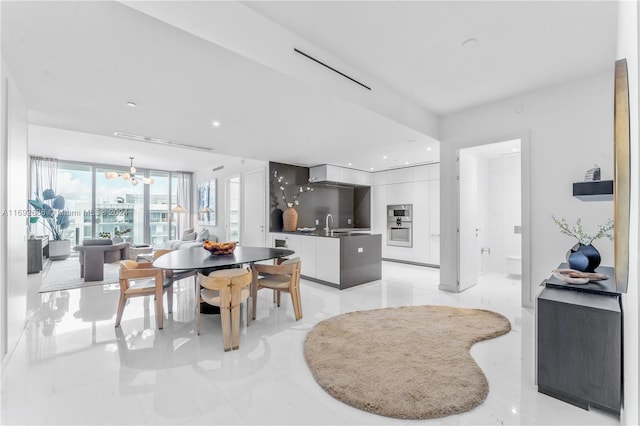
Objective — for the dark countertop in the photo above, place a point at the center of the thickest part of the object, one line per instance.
(341, 233)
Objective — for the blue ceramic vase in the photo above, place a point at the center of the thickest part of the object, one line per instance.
(584, 258)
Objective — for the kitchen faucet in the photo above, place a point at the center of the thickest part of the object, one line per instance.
(326, 228)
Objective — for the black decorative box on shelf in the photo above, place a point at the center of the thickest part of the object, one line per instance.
(597, 190)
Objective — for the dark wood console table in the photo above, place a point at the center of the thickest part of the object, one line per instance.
(38, 252)
(579, 342)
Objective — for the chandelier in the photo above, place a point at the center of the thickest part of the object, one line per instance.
(131, 175)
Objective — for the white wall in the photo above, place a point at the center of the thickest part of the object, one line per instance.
(232, 167)
(13, 255)
(564, 131)
(628, 43)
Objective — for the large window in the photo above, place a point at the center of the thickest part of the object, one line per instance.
(119, 207)
(159, 206)
(74, 183)
(141, 211)
(233, 191)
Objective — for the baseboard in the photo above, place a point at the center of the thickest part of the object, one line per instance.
(409, 262)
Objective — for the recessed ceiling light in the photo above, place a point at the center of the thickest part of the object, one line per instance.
(406, 163)
(216, 124)
(470, 42)
(349, 164)
(131, 104)
(384, 157)
(428, 148)
(370, 168)
(514, 150)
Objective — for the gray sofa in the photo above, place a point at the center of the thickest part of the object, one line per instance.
(190, 238)
(93, 254)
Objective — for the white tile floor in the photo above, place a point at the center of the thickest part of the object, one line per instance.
(73, 367)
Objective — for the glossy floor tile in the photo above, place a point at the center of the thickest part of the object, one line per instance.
(73, 367)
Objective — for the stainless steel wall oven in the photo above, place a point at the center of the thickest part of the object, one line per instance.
(400, 225)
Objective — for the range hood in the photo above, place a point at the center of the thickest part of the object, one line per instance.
(330, 175)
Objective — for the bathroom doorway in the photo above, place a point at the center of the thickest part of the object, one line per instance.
(490, 215)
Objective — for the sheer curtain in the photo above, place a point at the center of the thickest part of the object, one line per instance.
(44, 175)
(184, 199)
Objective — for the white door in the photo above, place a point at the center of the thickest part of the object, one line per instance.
(253, 211)
(467, 220)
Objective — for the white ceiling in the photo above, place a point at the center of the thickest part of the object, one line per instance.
(416, 46)
(78, 63)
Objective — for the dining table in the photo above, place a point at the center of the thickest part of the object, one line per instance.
(191, 261)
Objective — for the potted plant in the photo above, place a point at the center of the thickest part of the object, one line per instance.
(50, 207)
(119, 234)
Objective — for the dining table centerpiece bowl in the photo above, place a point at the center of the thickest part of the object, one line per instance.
(217, 248)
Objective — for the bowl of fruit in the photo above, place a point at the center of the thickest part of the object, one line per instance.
(216, 248)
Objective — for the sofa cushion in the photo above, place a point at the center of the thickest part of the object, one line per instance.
(189, 237)
(203, 235)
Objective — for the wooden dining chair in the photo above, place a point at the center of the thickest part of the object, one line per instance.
(226, 288)
(142, 279)
(283, 277)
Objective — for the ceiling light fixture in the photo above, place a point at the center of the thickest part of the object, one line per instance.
(147, 139)
(132, 104)
(131, 175)
(370, 168)
(384, 157)
(428, 148)
(349, 164)
(470, 42)
(216, 124)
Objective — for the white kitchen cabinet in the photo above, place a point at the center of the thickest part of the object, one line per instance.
(330, 173)
(434, 222)
(327, 259)
(421, 222)
(304, 249)
(404, 175)
(420, 173)
(400, 193)
(379, 178)
(434, 171)
(349, 176)
(379, 214)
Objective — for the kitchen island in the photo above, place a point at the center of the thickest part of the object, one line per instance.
(342, 258)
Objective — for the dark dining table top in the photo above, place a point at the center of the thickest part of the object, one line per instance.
(199, 258)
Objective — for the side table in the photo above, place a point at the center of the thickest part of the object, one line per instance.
(579, 342)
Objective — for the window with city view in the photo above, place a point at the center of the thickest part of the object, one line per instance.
(141, 211)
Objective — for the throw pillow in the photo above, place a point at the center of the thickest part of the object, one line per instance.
(187, 233)
(203, 235)
(189, 237)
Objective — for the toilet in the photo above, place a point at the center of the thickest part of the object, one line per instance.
(514, 265)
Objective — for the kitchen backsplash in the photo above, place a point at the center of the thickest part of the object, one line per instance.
(345, 203)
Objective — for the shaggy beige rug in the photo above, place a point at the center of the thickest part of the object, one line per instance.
(411, 362)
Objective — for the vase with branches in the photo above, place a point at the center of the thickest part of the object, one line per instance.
(290, 215)
(583, 256)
